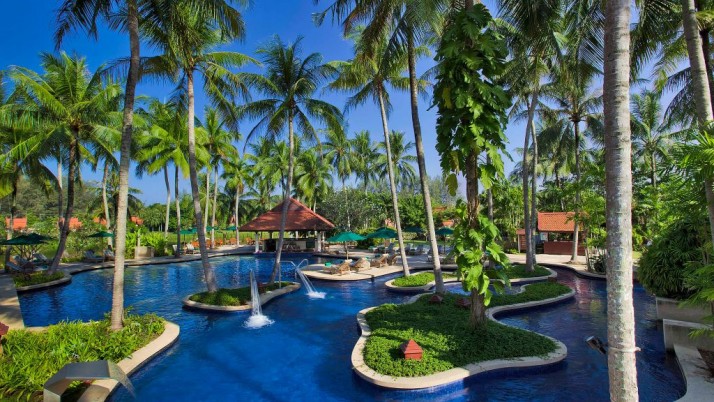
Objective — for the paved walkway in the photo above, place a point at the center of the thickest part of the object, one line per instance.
(10, 313)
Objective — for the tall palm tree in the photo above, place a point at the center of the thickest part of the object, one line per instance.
(622, 367)
(166, 142)
(126, 16)
(402, 160)
(188, 54)
(649, 135)
(313, 176)
(338, 152)
(76, 107)
(289, 87)
(237, 174)
(219, 145)
(364, 157)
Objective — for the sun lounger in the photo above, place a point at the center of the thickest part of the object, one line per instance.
(419, 250)
(89, 256)
(392, 259)
(21, 266)
(108, 255)
(340, 269)
(360, 265)
(190, 249)
(379, 262)
(40, 259)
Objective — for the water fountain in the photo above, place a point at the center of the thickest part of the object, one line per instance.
(257, 319)
(311, 292)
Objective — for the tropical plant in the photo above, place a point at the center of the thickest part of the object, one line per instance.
(313, 176)
(237, 173)
(402, 159)
(289, 87)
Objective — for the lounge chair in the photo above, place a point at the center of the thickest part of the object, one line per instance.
(190, 249)
(378, 262)
(389, 249)
(419, 250)
(392, 259)
(89, 256)
(173, 246)
(360, 265)
(108, 255)
(22, 265)
(339, 269)
(40, 259)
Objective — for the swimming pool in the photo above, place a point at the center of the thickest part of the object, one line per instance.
(305, 354)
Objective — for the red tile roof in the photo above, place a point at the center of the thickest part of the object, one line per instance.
(300, 217)
(520, 231)
(556, 222)
(17, 223)
(74, 223)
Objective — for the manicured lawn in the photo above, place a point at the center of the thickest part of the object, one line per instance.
(231, 297)
(443, 333)
(31, 358)
(36, 278)
(417, 280)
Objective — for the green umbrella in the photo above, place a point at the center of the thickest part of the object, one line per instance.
(444, 231)
(101, 234)
(38, 237)
(23, 241)
(232, 228)
(345, 237)
(187, 231)
(383, 233)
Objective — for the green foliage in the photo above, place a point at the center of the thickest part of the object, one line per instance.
(519, 271)
(443, 333)
(701, 281)
(668, 261)
(232, 297)
(532, 292)
(36, 278)
(416, 280)
(155, 240)
(31, 358)
(471, 247)
(359, 208)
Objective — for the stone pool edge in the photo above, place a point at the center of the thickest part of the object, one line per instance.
(264, 298)
(459, 373)
(101, 389)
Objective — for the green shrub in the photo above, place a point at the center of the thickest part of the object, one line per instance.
(36, 278)
(31, 358)
(517, 271)
(157, 241)
(231, 297)
(443, 332)
(417, 280)
(532, 292)
(670, 258)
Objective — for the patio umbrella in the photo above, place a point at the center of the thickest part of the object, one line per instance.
(101, 235)
(382, 233)
(444, 231)
(413, 229)
(24, 243)
(231, 228)
(344, 237)
(38, 237)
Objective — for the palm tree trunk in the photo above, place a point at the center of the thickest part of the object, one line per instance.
(208, 273)
(576, 218)
(236, 215)
(178, 212)
(534, 194)
(117, 315)
(60, 193)
(286, 200)
(702, 95)
(208, 197)
(618, 166)
(653, 171)
(392, 186)
(526, 195)
(105, 203)
(10, 230)
(71, 173)
(421, 161)
(213, 214)
(168, 202)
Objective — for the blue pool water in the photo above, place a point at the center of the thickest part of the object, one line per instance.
(305, 354)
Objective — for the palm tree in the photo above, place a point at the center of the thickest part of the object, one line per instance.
(338, 152)
(220, 147)
(313, 176)
(289, 86)
(650, 138)
(364, 157)
(165, 142)
(126, 16)
(237, 173)
(402, 160)
(622, 367)
(188, 54)
(76, 108)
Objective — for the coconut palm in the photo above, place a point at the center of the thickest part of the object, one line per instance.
(402, 160)
(219, 145)
(338, 152)
(76, 108)
(289, 87)
(650, 138)
(620, 311)
(188, 53)
(127, 16)
(313, 176)
(364, 157)
(237, 174)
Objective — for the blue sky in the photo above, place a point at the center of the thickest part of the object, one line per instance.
(31, 32)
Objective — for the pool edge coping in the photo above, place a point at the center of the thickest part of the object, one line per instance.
(100, 390)
(66, 279)
(459, 373)
(264, 298)
(429, 286)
